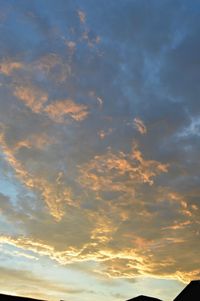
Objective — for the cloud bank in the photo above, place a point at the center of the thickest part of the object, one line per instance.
(99, 135)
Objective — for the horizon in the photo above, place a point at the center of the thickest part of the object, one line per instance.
(191, 290)
(99, 148)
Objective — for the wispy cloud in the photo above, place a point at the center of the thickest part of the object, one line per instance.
(59, 109)
(32, 282)
(9, 66)
(82, 16)
(140, 126)
(32, 97)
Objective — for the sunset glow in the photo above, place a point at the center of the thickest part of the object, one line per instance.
(99, 148)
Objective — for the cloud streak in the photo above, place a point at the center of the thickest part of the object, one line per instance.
(59, 109)
(140, 126)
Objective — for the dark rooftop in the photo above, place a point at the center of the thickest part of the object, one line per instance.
(144, 298)
(16, 298)
(190, 293)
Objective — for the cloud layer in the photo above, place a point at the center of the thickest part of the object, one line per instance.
(99, 135)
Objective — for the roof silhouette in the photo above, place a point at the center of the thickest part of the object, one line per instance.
(144, 298)
(190, 293)
(16, 298)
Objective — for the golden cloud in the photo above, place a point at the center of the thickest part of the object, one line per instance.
(121, 251)
(58, 110)
(126, 263)
(32, 97)
(35, 99)
(112, 182)
(53, 194)
(116, 171)
(117, 238)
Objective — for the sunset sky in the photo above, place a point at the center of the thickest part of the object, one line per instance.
(99, 148)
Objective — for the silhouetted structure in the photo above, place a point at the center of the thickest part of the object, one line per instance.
(15, 298)
(144, 298)
(190, 293)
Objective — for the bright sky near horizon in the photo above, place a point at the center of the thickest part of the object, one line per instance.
(99, 148)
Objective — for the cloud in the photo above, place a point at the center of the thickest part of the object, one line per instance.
(82, 16)
(115, 172)
(49, 192)
(26, 283)
(53, 67)
(8, 67)
(39, 141)
(111, 240)
(140, 126)
(32, 97)
(35, 99)
(59, 109)
(128, 208)
(109, 231)
(115, 235)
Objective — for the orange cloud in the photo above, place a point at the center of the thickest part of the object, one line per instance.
(53, 194)
(8, 67)
(116, 238)
(32, 97)
(147, 169)
(35, 99)
(59, 109)
(116, 171)
(39, 141)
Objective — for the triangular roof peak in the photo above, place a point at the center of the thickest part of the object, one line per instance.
(144, 298)
(190, 293)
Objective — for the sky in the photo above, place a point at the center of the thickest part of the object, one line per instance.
(99, 148)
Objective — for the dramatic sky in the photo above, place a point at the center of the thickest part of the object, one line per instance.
(99, 148)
